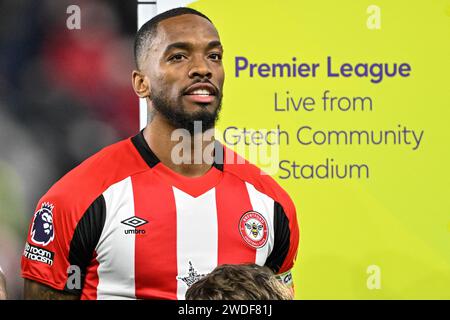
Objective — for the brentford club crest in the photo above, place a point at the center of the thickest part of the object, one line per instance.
(253, 228)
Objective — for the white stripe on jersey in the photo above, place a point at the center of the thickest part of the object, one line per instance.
(197, 235)
(264, 205)
(115, 249)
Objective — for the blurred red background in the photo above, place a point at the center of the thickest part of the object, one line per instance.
(64, 94)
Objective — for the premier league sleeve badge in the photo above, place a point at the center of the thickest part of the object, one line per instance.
(42, 231)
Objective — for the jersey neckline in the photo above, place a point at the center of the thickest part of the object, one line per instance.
(194, 186)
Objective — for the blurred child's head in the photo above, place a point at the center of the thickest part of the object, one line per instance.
(239, 282)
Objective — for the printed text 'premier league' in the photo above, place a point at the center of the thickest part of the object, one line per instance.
(375, 72)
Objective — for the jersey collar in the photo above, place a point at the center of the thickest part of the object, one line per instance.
(194, 186)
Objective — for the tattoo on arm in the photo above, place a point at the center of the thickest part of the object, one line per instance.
(36, 291)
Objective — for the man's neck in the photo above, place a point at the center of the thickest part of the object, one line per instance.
(158, 135)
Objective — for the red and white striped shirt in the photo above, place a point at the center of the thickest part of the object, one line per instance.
(138, 230)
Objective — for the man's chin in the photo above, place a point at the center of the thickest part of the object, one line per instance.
(200, 123)
(188, 112)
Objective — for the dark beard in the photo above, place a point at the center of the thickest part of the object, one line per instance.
(179, 118)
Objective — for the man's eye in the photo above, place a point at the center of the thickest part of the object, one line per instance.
(216, 56)
(177, 57)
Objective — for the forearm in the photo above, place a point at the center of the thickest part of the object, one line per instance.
(36, 291)
(3, 295)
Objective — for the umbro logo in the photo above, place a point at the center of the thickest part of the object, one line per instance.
(134, 222)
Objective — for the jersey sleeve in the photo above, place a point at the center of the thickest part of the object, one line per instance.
(284, 252)
(61, 242)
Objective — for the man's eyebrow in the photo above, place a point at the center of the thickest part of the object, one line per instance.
(178, 45)
(213, 44)
(188, 46)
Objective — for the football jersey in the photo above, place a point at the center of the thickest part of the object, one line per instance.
(132, 228)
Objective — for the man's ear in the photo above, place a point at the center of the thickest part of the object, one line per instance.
(141, 84)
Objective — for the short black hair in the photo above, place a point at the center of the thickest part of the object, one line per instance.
(147, 32)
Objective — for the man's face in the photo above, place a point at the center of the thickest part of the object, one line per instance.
(184, 65)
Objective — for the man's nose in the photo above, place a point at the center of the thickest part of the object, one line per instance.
(200, 68)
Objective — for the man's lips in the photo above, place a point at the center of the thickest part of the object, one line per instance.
(201, 92)
(200, 98)
(201, 87)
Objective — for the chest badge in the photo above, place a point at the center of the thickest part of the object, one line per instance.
(254, 229)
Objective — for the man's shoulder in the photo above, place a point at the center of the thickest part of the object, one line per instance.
(252, 174)
(87, 181)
